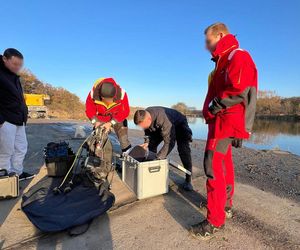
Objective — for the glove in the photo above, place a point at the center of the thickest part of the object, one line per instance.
(215, 106)
(209, 117)
(237, 143)
(107, 126)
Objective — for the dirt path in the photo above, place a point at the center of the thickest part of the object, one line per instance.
(267, 209)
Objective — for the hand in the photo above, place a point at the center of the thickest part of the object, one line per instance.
(97, 124)
(215, 106)
(237, 143)
(107, 126)
(209, 117)
(144, 145)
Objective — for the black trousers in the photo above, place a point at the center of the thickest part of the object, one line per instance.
(183, 139)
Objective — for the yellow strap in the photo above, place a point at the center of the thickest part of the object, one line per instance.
(105, 105)
(210, 77)
(98, 81)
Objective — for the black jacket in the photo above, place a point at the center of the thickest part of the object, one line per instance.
(170, 125)
(12, 104)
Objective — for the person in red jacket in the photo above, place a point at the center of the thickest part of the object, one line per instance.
(107, 105)
(229, 110)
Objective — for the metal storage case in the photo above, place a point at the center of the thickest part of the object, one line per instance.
(9, 186)
(146, 179)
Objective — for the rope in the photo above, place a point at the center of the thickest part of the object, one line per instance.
(79, 152)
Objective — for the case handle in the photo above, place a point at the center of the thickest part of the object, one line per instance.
(154, 169)
(3, 172)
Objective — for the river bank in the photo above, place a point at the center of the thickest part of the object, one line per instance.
(266, 203)
(291, 118)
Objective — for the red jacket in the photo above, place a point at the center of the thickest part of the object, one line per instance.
(231, 98)
(98, 110)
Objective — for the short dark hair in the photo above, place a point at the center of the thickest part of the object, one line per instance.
(139, 116)
(217, 28)
(107, 90)
(10, 52)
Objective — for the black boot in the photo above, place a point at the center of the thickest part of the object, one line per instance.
(204, 229)
(228, 212)
(187, 185)
(26, 176)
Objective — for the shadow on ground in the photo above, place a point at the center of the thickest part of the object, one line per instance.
(185, 207)
(98, 236)
(8, 205)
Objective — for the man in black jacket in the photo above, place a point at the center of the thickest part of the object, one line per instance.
(170, 126)
(13, 114)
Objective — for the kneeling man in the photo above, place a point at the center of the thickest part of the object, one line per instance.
(170, 126)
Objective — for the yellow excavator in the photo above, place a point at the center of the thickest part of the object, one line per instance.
(36, 104)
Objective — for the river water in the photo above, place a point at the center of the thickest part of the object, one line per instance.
(267, 134)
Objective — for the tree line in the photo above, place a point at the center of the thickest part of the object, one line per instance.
(269, 104)
(63, 103)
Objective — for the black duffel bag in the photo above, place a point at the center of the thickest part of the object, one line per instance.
(52, 213)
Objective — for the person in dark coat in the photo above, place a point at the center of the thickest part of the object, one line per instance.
(13, 115)
(168, 126)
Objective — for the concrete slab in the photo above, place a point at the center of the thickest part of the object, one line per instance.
(122, 193)
(25, 231)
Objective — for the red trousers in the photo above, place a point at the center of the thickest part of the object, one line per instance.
(219, 169)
